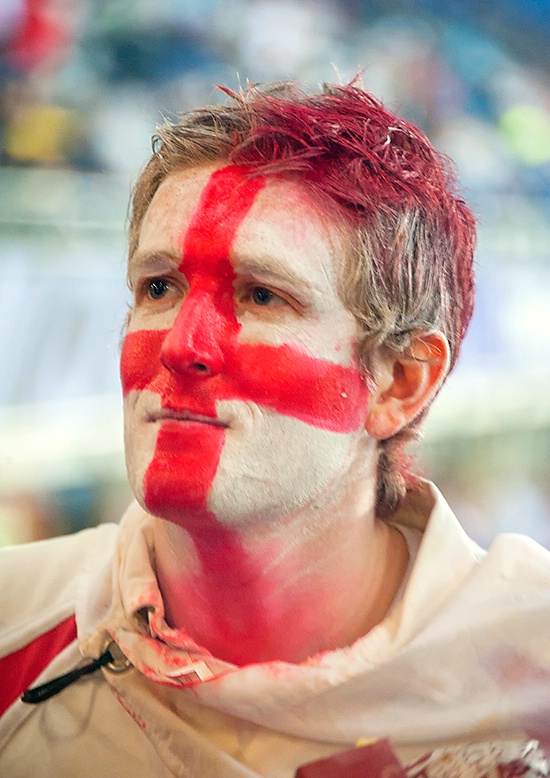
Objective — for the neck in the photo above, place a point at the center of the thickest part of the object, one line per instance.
(286, 592)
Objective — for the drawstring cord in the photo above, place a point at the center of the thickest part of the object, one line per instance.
(112, 658)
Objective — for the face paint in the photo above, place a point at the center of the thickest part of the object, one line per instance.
(326, 395)
(229, 415)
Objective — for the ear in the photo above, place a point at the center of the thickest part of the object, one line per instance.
(405, 383)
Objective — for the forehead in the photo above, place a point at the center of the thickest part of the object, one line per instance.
(285, 223)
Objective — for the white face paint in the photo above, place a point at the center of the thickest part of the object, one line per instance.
(243, 399)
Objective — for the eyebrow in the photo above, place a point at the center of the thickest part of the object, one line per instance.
(152, 260)
(264, 266)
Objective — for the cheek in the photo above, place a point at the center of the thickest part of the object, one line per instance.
(324, 394)
(313, 338)
(140, 359)
(140, 439)
(275, 464)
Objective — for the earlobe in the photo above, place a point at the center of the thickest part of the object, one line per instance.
(406, 383)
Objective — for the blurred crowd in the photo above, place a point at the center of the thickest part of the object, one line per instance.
(83, 81)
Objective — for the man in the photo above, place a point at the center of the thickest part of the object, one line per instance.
(301, 273)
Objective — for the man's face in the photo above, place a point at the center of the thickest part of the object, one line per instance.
(243, 398)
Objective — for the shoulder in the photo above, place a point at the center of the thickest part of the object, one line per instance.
(519, 556)
(40, 582)
(520, 567)
(506, 584)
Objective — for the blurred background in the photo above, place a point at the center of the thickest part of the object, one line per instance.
(82, 85)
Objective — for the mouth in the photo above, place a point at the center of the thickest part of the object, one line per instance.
(165, 414)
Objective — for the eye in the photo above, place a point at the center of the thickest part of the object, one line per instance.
(251, 296)
(262, 296)
(157, 288)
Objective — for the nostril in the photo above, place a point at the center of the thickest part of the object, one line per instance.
(199, 367)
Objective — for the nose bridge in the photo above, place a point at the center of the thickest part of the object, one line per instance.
(193, 343)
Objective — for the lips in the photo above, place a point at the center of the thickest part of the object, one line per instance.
(167, 414)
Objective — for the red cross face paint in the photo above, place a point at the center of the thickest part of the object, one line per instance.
(243, 399)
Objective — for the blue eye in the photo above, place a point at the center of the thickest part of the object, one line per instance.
(157, 288)
(262, 296)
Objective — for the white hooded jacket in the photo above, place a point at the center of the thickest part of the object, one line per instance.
(463, 657)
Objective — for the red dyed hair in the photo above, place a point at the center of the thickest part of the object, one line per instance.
(409, 267)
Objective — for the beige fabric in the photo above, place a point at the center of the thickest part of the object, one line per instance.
(463, 657)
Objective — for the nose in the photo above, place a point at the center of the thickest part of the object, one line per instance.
(192, 345)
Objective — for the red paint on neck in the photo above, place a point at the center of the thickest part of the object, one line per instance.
(229, 609)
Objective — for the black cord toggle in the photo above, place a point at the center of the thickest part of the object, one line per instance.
(56, 685)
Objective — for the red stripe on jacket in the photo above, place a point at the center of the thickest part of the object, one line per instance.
(20, 669)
